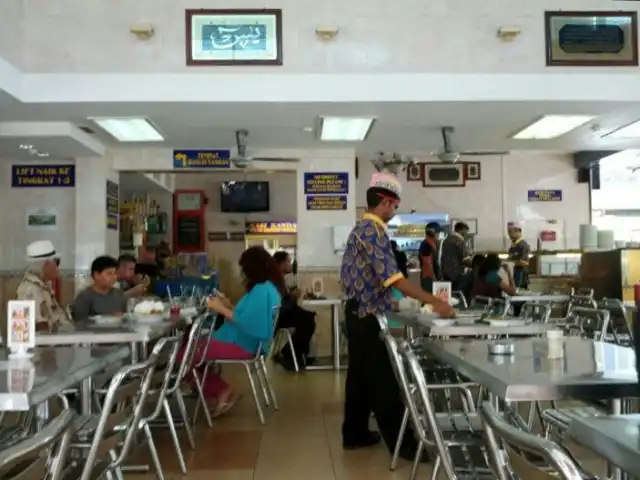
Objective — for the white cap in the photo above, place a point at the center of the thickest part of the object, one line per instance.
(386, 181)
(517, 225)
(40, 250)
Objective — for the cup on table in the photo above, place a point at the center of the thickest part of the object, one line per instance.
(555, 342)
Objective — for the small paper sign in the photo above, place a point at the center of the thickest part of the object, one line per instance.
(442, 291)
(21, 326)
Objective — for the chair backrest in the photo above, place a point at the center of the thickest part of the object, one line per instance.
(264, 347)
(426, 424)
(459, 294)
(481, 303)
(500, 433)
(591, 323)
(188, 353)
(619, 315)
(166, 353)
(121, 414)
(30, 458)
(538, 312)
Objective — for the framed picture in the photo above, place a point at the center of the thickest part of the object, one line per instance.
(414, 172)
(472, 170)
(591, 39)
(436, 175)
(234, 37)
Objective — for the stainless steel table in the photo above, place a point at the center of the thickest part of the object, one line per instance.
(333, 362)
(539, 298)
(588, 370)
(27, 383)
(467, 329)
(615, 438)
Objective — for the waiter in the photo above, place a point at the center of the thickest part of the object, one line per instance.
(368, 272)
(519, 254)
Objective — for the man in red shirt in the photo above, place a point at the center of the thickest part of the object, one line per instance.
(428, 254)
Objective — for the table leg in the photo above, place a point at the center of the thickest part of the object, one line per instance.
(134, 353)
(335, 337)
(86, 393)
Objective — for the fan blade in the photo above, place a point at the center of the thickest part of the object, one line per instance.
(480, 153)
(275, 159)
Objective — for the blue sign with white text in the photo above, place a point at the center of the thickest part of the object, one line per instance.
(544, 195)
(326, 182)
(201, 159)
(326, 202)
(43, 176)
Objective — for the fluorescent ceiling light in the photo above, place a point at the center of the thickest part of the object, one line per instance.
(552, 126)
(345, 129)
(629, 131)
(130, 129)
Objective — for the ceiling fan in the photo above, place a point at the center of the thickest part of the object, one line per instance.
(392, 162)
(242, 160)
(449, 155)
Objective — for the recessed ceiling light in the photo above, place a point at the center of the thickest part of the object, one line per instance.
(130, 129)
(628, 131)
(552, 126)
(26, 147)
(345, 129)
(308, 129)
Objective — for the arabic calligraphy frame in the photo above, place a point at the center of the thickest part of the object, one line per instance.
(277, 20)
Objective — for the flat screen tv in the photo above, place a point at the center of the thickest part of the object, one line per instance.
(244, 197)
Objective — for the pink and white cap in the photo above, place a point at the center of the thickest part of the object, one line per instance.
(517, 225)
(386, 181)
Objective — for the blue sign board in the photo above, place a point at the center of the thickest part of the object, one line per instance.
(201, 159)
(326, 182)
(326, 202)
(25, 176)
(544, 195)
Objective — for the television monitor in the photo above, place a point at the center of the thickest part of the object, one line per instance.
(244, 197)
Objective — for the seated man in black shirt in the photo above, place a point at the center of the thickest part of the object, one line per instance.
(294, 316)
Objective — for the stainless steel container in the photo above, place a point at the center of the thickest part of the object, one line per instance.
(501, 348)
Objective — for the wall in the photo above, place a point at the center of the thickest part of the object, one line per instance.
(11, 29)
(501, 195)
(375, 35)
(15, 235)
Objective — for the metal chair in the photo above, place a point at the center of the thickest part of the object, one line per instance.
(253, 365)
(591, 323)
(41, 456)
(481, 303)
(530, 457)
(166, 352)
(105, 439)
(619, 322)
(459, 294)
(282, 336)
(538, 312)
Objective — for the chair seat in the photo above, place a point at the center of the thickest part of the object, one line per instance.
(561, 417)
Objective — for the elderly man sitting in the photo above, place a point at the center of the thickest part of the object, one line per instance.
(42, 268)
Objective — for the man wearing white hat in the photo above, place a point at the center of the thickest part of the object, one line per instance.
(42, 268)
(519, 252)
(368, 273)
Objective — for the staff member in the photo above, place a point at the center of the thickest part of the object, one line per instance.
(427, 253)
(519, 254)
(456, 256)
(368, 274)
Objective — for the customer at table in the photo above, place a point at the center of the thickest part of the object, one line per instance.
(292, 315)
(519, 254)
(427, 254)
(472, 274)
(456, 256)
(368, 274)
(247, 326)
(127, 281)
(102, 297)
(489, 282)
(42, 269)
(401, 258)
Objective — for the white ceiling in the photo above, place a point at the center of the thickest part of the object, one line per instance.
(404, 127)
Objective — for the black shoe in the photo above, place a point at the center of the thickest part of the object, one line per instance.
(309, 361)
(369, 439)
(285, 362)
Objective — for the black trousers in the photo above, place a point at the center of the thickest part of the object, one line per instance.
(304, 323)
(371, 385)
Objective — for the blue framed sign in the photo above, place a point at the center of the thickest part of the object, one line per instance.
(326, 182)
(183, 159)
(326, 202)
(544, 195)
(42, 176)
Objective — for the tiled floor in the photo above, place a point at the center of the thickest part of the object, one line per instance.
(301, 441)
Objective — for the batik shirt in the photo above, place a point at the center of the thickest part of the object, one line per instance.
(369, 267)
(48, 310)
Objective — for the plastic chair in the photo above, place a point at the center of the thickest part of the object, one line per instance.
(41, 456)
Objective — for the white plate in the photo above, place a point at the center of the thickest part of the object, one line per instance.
(507, 323)
(105, 320)
(442, 322)
(155, 318)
